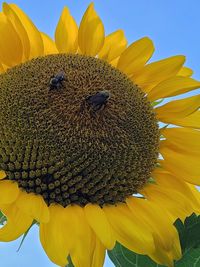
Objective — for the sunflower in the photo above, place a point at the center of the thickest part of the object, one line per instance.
(88, 150)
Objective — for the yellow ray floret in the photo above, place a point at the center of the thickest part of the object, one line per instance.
(128, 230)
(34, 37)
(181, 153)
(100, 225)
(114, 44)
(191, 121)
(173, 86)
(185, 71)
(66, 34)
(178, 109)
(136, 56)
(17, 223)
(49, 44)
(8, 55)
(34, 206)
(9, 192)
(156, 72)
(91, 32)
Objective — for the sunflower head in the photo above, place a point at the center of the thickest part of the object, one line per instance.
(68, 144)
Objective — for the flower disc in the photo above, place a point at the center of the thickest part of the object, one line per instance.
(63, 142)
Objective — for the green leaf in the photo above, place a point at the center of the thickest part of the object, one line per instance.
(122, 257)
(190, 259)
(189, 233)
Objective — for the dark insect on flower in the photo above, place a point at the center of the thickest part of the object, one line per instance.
(56, 81)
(98, 101)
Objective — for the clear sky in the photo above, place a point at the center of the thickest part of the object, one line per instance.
(174, 26)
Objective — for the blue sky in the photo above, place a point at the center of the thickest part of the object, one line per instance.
(174, 27)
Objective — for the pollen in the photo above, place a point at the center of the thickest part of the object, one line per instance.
(74, 143)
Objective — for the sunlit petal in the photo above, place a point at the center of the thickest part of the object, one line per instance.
(114, 44)
(91, 32)
(135, 56)
(66, 34)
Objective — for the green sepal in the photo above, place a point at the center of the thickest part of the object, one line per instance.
(24, 236)
(155, 103)
(2, 218)
(70, 264)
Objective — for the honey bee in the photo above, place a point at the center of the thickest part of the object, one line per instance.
(98, 101)
(56, 81)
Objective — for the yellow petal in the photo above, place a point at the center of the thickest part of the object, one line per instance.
(156, 72)
(34, 206)
(82, 252)
(99, 254)
(166, 180)
(162, 258)
(114, 45)
(35, 39)
(2, 175)
(16, 22)
(171, 200)
(53, 235)
(161, 226)
(129, 230)
(17, 223)
(67, 232)
(136, 56)
(185, 72)
(191, 121)
(49, 45)
(183, 139)
(181, 153)
(178, 109)
(66, 34)
(166, 258)
(166, 239)
(10, 44)
(114, 62)
(9, 191)
(91, 33)
(100, 225)
(181, 166)
(172, 87)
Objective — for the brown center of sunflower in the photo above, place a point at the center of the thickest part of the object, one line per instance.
(75, 130)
